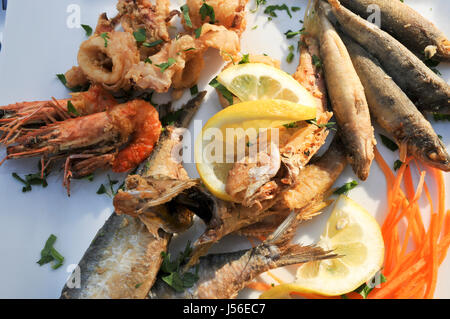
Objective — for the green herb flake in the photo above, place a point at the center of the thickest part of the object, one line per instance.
(62, 78)
(190, 49)
(290, 125)
(316, 62)
(295, 9)
(138, 285)
(207, 11)
(187, 18)
(152, 44)
(172, 274)
(148, 61)
(172, 117)
(290, 34)
(255, 27)
(344, 189)
(49, 254)
(329, 125)
(270, 10)
(88, 29)
(140, 35)
(71, 109)
(105, 37)
(222, 89)
(194, 90)
(166, 65)
(441, 117)
(390, 144)
(258, 4)
(245, 59)
(101, 190)
(365, 289)
(198, 32)
(397, 164)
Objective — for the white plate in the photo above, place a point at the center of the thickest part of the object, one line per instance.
(37, 45)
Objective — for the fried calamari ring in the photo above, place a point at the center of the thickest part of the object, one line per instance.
(107, 58)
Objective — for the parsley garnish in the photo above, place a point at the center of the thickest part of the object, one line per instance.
(194, 90)
(148, 61)
(187, 18)
(49, 253)
(270, 10)
(346, 188)
(63, 80)
(207, 11)
(32, 180)
(295, 9)
(71, 109)
(105, 37)
(316, 62)
(329, 125)
(172, 117)
(365, 289)
(140, 35)
(152, 44)
(226, 94)
(110, 192)
(198, 32)
(88, 29)
(245, 59)
(171, 272)
(290, 34)
(290, 125)
(258, 3)
(290, 56)
(397, 164)
(441, 117)
(388, 143)
(166, 65)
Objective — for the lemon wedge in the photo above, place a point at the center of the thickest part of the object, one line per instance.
(352, 233)
(258, 81)
(210, 150)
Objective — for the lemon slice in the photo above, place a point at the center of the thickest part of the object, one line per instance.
(211, 165)
(352, 233)
(258, 81)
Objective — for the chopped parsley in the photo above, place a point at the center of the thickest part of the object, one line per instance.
(290, 34)
(140, 35)
(441, 117)
(245, 59)
(295, 9)
(270, 10)
(365, 288)
(148, 61)
(172, 274)
(166, 65)
(290, 56)
(187, 18)
(32, 180)
(316, 62)
(71, 109)
(329, 125)
(290, 125)
(109, 190)
(194, 90)
(258, 3)
(105, 37)
(432, 64)
(172, 117)
(397, 164)
(344, 189)
(152, 44)
(207, 11)
(223, 90)
(88, 29)
(49, 254)
(198, 32)
(390, 144)
(190, 49)
(63, 80)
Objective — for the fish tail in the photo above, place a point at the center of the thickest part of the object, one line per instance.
(294, 253)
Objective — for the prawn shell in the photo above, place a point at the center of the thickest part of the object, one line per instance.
(146, 131)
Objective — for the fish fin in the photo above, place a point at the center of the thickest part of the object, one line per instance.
(297, 254)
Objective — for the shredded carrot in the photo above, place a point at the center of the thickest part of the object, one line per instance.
(413, 252)
(260, 286)
(278, 280)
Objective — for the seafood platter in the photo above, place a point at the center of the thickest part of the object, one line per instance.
(218, 149)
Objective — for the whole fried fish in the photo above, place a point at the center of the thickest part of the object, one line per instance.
(222, 276)
(427, 90)
(125, 256)
(395, 112)
(406, 25)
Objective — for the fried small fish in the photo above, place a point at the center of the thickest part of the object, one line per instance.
(222, 276)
